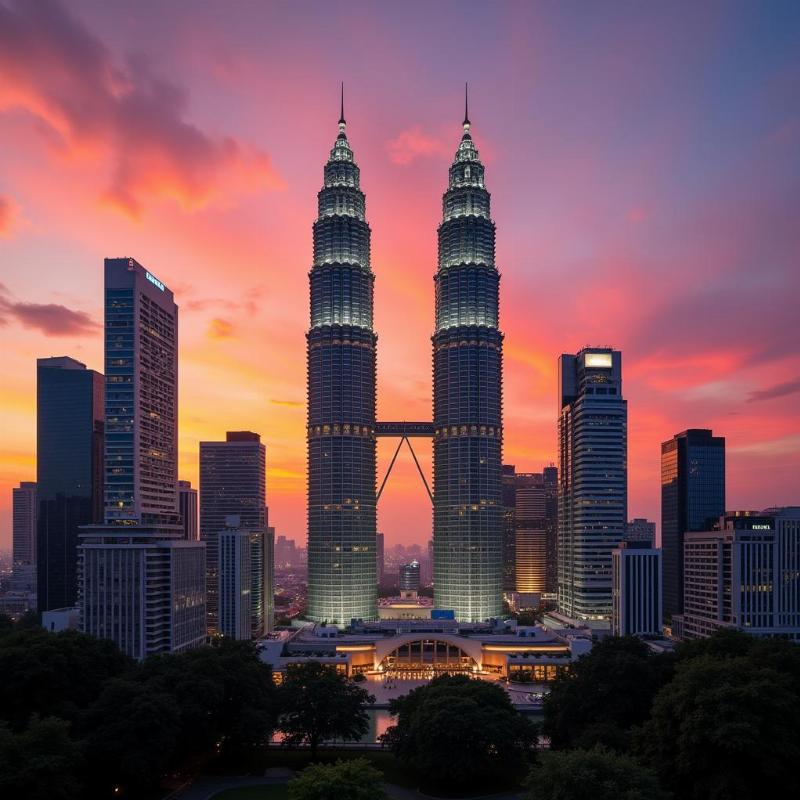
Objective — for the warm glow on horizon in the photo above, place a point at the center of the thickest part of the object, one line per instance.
(637, 206)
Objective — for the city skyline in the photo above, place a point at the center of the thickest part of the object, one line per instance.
(661, 245)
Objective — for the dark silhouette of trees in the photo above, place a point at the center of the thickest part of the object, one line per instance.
(354, 780)
(458, 732)
(596, 774)
(317, 703)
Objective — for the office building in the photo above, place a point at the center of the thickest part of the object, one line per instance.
(141, 583)
(23, 554)
(187, 508)
(246, 583)
(641, 531)
(409, 577)
(637, 590)
(141, 360)
(692, 498)
(341, 342)
(69, 472)
(232, 484)
(593, 480)
(745, 575)
(530, 534)
(550, 480)
(468, 524)
(508, 491)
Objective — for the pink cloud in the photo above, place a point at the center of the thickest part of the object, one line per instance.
(50, 319)
(8, 213)
(121, 113)
(414, 143)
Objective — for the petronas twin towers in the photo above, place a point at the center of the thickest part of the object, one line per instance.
(467, 400)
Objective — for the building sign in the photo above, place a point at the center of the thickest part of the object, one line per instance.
(155, 281)
(597, 360)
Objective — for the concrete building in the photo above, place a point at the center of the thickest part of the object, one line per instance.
(141, 583)
(745, 575)
(692, 499)
(232, 484)
(641, 531)
(187, 508)
(637, 590)
(69, 472)
(593, 480)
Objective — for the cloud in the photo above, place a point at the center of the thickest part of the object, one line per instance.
(8, 213)
(220, 329)
(779, 390)
(48, 318)
(291, 403)
(120, 113)
(414, 143)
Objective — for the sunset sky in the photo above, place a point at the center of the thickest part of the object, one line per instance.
(644, 164)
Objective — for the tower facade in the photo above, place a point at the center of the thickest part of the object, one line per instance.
(467, 399)
(342, 562)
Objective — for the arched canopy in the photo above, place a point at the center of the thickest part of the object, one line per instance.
(436, 651)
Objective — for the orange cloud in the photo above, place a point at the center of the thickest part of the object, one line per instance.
(220, 329)
(8, 213)
(122, 114)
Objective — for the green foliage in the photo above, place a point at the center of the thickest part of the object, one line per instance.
(225, 695)
(596, 774)
(354, 780)
(6, 624)
(457, 732)
(727, 728)
(607, 692)
(131, 734)
(317, 703)
(53, 674)
(40, 763)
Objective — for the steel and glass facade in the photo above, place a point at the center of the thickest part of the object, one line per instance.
(468, 525)
(593, 479)
(69, 472)
(692, 497)
(342, 562)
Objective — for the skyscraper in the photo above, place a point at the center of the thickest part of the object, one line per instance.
(530, 534)
(642, 531)
(187, 508)
(342, 563)
(141, 584)
(508, 489)
(692, 496)
(23, 554)
(550, 476)
(141, 455)
(380, 555)
(408, 576)
(69, 472)
(593, 479)
(232, 483)
(467, 399)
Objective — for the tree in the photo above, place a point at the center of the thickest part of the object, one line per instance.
(596, 774)
(225, 694)
(459, 731)
(725, 728)
(354, 780)
(131, 735)
(606, 693)
(318, 703)
(41, 762)
(56, 674)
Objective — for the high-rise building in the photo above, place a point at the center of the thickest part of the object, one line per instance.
(342, 562)
(245, 581)
(530, 534)
(692, 498)
(550, 479)
(745, 575)
(141, 583)
(637, 595)
(380, 555)
(409, 576)
(508, 489)
(187, 508)
(141, 341)
(69, 472)
(593, 479)
(24, 538)
(467, 399)
(232, 484)
(641, 531)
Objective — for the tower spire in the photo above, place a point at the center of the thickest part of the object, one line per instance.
(341, 114)
(466, 106)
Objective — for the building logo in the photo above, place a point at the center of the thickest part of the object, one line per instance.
(155, 281)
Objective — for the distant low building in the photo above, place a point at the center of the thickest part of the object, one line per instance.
(637, 590)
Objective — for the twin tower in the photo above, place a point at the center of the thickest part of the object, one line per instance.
(466, 430)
